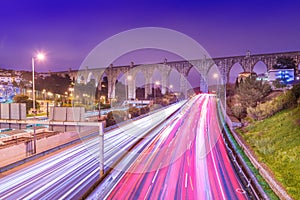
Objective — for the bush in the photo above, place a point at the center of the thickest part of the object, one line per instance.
(134, 112)
(144, 110)
(265, 110)
(115, 117)
(296, 90)
(239, 111)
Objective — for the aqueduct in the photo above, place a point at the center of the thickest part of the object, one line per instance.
(204, 66)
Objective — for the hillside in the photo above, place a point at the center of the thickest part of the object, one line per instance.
(276, 142)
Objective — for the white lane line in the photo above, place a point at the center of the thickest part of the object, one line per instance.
(155, 175)
(147, 192)
(186, 179)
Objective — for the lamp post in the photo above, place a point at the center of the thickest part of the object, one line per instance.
(216, 76)
(39, 56)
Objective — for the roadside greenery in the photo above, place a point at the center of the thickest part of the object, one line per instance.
(20, 98)
(276, 143)
(268, 109)
(251, 91)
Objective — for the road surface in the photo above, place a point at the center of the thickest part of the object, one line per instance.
(69, 174)
(186, 160)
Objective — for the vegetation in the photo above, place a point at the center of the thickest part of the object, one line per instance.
(239, 111)
(54, 83)
(251, 91)
(278, 84)
(20, 98)
(268, 109)
(285, 63)
(115, 117)
(275, 141)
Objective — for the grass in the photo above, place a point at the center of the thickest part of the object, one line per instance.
(39, 114)
(276, 142)
(256, 173)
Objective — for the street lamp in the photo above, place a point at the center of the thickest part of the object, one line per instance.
(39, 56)
(216, 76)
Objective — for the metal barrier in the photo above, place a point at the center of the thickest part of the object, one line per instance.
(279, 190)
(247, 177)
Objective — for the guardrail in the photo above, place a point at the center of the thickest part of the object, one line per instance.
(249, 176)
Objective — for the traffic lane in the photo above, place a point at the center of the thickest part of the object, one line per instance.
(223, 176)
(151, 183)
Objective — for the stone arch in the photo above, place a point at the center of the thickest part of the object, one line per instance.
(80, 79)
(214, 78)
(121, 87)
(174, 84)
(103, 87)
(156, 82)
(90, 77)
(140, 85)
(194, 77)
(260, 67)
(234, 71)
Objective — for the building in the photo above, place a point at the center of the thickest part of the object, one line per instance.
(244, 75)
(262, 77)
(284, 75)
(10, 79)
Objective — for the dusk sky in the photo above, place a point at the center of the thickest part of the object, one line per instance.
(68, 30)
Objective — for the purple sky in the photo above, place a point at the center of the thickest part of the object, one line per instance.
(68, 30)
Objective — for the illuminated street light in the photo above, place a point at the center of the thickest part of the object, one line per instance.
(216, 76)
(39, 56)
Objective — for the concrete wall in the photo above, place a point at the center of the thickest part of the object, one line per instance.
(67, 114)
(18, 152)
(5, 111)
(17, 111)
(13, 111)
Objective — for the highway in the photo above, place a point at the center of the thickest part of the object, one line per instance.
(185, 160)
(69, 174)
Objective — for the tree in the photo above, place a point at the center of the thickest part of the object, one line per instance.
(296, 90)
(277, 84)
(21, 98)
(54, 83)
(239, 111)
(251, 91)
(285, 63)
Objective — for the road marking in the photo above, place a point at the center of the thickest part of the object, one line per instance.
(186, 178)
(155, 176)
(147, 192)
